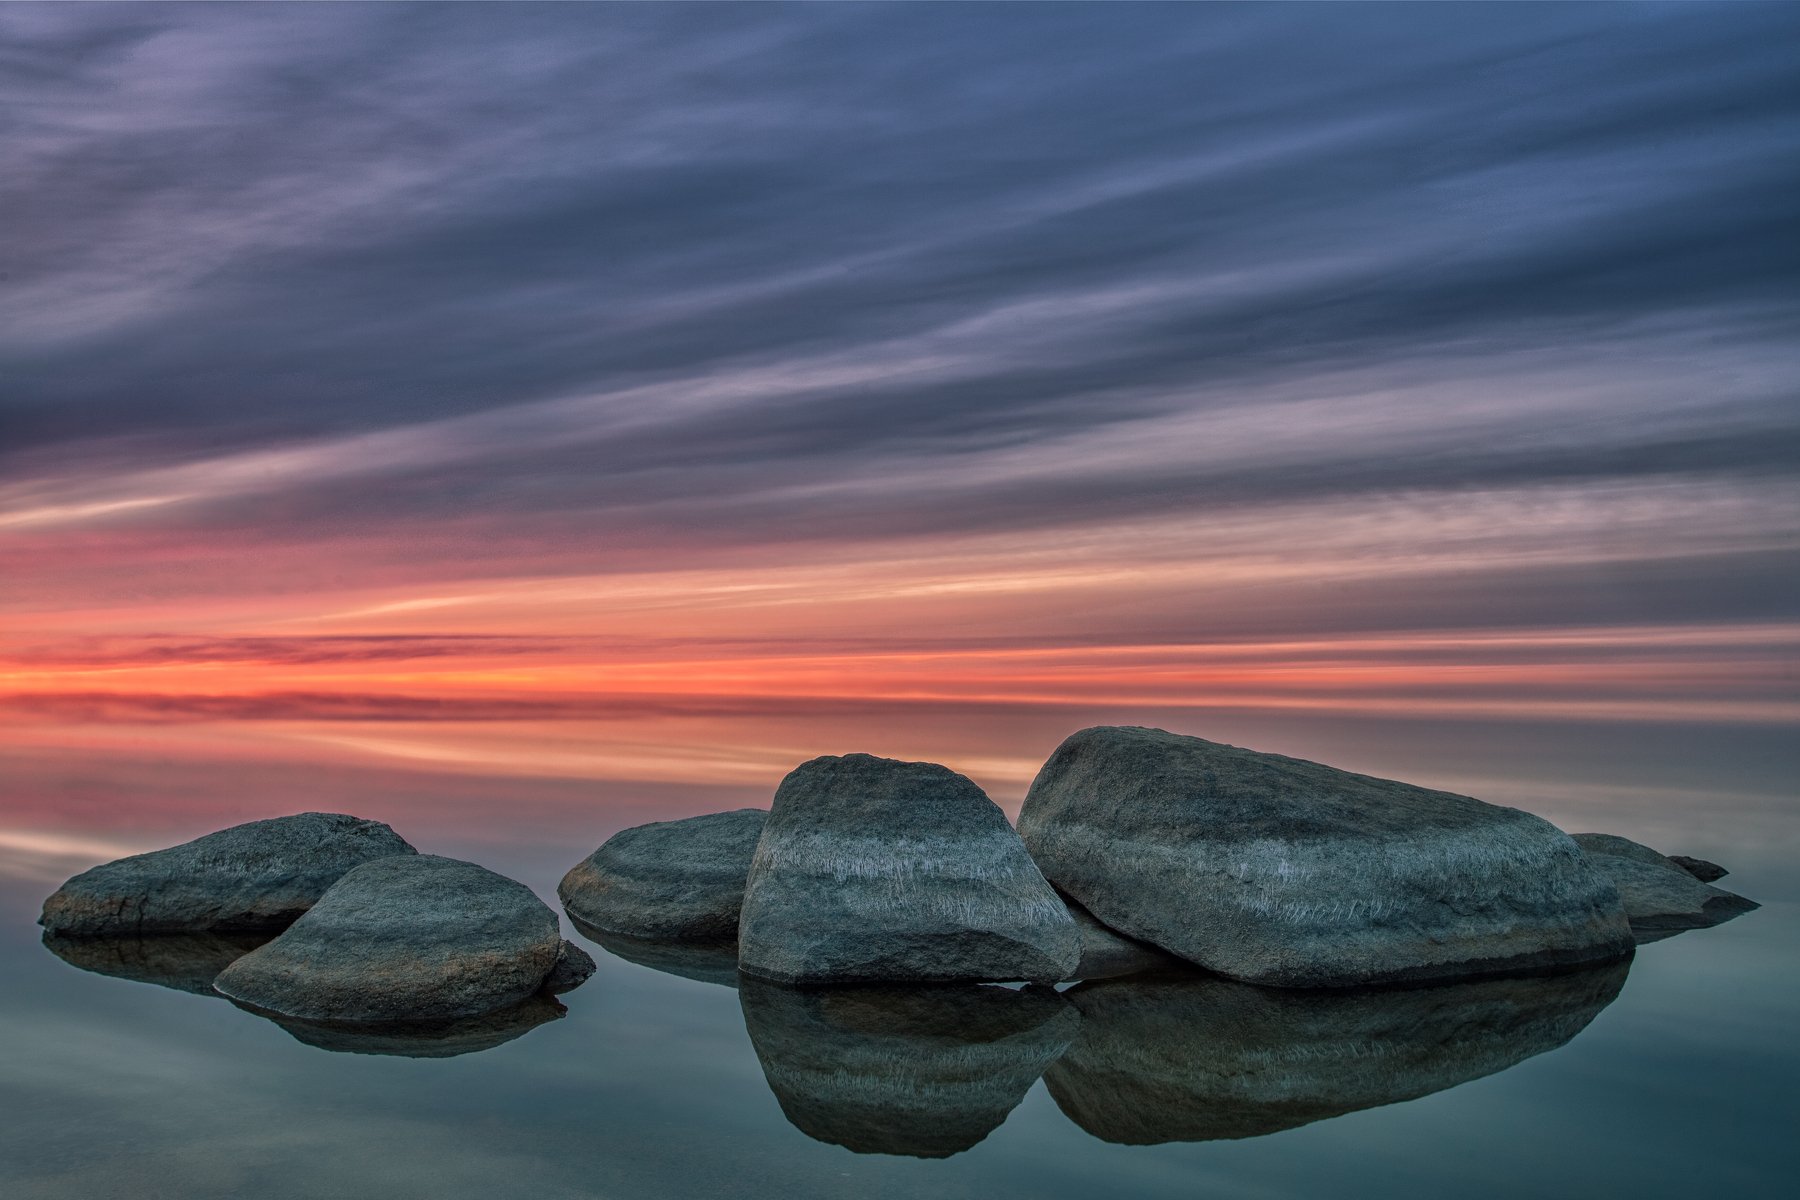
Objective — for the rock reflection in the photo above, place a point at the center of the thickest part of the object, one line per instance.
(186, 962)
(703, 962)
(925, 1071)
(434, 1039)
(1197, 1058)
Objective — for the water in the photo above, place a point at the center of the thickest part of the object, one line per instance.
(651, 1084)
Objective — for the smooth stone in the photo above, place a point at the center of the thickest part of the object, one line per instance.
(701, 961)
(1198, 1058)
(422, 1039)
(875, 870)
(926, 1071)
(256, 877)
(419, 938)
(1661, 897)
(669, 879)
(1699, 868)
(1289, 873)
(1108, 954)
(186, 962)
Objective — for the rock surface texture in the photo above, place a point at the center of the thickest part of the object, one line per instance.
(874, 870)
(1661, 897)
(1278, 871)
(418, 938)
(1699, 868)
(257, 877)
(667, 880)
(920, 1071)
(1197, 1058)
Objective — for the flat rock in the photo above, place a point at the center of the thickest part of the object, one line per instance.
(1108, 954)
(418, 938)
(256, 877)
(422, 1039)
(701, 961)
(926, 1071)
(1196, 1058)
(1699, 868)
(1661, 897)
(1283, 872)
(668, 879)
(186, 962)
(875, 870)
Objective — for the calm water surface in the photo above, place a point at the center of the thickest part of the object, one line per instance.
(653, 1084)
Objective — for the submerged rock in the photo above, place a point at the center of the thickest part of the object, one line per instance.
(921, 1071)
(669, 879)
(1108, 954)
(422, 1039)
(186, 962)
(419, 938)
(1278, 871)
(1661, 897)
(1187, 1059)
(256, 877)
(1699, 868)
(870, 869)
(702, 961)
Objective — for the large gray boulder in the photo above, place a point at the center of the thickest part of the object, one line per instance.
(1661, 897)
(669, 879)
(1197, 1058)
(922, 1071)
(874, 870)
(256, 877)
(1277, 871)
(419, 938)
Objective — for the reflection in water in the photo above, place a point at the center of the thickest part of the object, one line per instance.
(190, 963)
(926, 1071)
(431, 1039)
(705, 962)
(187, 962)
(1195, 1058)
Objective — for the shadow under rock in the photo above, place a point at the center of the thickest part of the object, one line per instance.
(1195, 1058)
(421, 1039)
(186, 962)
(926, 1071)
(703, 961)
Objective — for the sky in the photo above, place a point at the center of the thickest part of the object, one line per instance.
(669, 393)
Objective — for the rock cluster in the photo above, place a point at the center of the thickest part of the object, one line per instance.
(331, 925)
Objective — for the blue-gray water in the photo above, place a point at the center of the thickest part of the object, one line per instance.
(650, 1086)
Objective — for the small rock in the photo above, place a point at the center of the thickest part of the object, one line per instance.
(1107, 954)
(1661, 897)
(1277, 871)
(574, 966)
(922, 1071)
(871, 870)
(418, 938)
(668, 879)
(1202, 1058)
(256, 877)
(1699, 868)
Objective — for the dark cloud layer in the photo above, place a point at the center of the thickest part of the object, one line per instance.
(940, 263)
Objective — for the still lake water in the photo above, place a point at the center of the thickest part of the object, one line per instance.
(651, 1085)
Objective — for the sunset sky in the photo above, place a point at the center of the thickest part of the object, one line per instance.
(668, 394)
